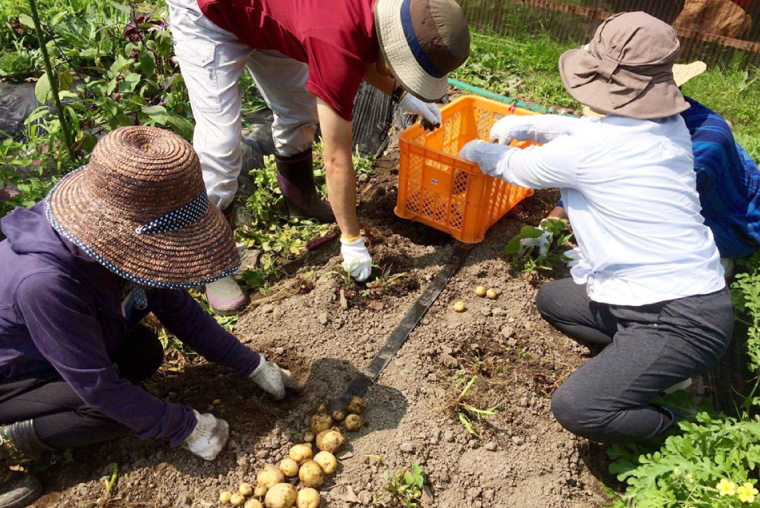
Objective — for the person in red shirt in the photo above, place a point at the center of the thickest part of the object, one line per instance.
(308, 58)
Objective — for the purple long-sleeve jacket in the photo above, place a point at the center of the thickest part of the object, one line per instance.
(61, 310)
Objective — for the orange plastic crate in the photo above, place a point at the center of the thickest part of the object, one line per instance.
(451, 194)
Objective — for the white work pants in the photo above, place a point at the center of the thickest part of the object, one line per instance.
(211, 61)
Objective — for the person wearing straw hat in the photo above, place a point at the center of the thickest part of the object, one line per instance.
(728, 179)
(308, 60)
(119, 238)
(648, 287)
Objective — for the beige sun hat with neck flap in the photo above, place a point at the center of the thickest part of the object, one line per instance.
(422, 41)
(627, 69)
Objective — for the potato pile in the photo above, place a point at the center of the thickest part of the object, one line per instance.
(273, 482)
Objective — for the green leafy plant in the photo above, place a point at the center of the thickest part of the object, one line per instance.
(532, 260)
(404, 488)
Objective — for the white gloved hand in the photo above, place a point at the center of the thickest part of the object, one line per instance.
(209, 436)
(356, 258)
(428, 110)
(508, 128)
(485, 155)
(542, 242)
(273, 379)
(575, 257)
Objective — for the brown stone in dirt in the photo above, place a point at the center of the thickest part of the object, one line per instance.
(449, 361)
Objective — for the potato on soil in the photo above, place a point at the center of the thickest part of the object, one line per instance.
(492, 294)
(330, 441)
(246, 489)
(253, 503)
(338, 415)
(307, 498)
(480, 291)
(355, 405)
(301, 452)
(282, 495)
(270, 476)
(459, 306)
(320, 423)
(326, 461)
(260, 491)
(322, 409)
(224, 497)
(237, 499)
(308, 437)
(289, 467)
(353, 423)
(311, 474)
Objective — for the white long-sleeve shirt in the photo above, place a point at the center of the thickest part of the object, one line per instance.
(629, 189)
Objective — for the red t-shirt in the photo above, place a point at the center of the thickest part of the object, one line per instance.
(336, 38)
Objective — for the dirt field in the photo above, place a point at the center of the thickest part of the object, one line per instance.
(522, 458)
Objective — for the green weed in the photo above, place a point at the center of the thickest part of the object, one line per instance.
(531, 260)
(404, 488)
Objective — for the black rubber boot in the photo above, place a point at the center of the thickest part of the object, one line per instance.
(19, 443)
(18, 490)
(296, 176)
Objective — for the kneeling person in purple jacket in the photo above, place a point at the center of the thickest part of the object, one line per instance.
(122, 237)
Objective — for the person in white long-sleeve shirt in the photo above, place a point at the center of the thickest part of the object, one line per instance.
(648, 285)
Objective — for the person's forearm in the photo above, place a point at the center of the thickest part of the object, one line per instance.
(381, 82)
(341, 190)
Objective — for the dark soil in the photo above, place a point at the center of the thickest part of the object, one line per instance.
(327, 332)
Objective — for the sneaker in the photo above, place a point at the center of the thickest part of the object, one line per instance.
(225, 296)
(18, 490)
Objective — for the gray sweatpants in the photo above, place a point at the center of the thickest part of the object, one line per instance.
(647, 349)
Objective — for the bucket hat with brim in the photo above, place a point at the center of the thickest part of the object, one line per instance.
(682, 74)
(627, 69)
(422, 41)
(140, 209)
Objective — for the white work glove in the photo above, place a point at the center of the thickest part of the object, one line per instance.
(542, 242)
(356, 258)
(209, 436)
(427, 110)
(575, 256)
(485, 155)
(508, 128)
(273, 379)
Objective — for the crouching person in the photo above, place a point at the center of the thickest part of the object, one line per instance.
(113, 241)
(648, 285)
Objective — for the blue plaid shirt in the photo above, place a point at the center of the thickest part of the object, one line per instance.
(728, 182)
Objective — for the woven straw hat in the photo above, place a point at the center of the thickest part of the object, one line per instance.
(140, 209)
(627, 69)
(682, 73)
(422, 41)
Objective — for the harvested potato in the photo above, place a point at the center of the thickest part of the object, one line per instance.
(270, 476)
(326, 461)
(338, 415)
(307, 498)
(289, 467)
(320, 423)
(259, 491)
(480, 291)
(246, 489)
(253, 503)
(301, 452)
(353, 423)
(311, 474)
(322, 409)
(308, 437)
(237, 499)
(224, 497)
(282, 495)
(492, 294)
(355, 405)
(459, 306)
(330, 440)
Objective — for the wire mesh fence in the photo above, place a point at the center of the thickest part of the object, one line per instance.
(715, 31)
